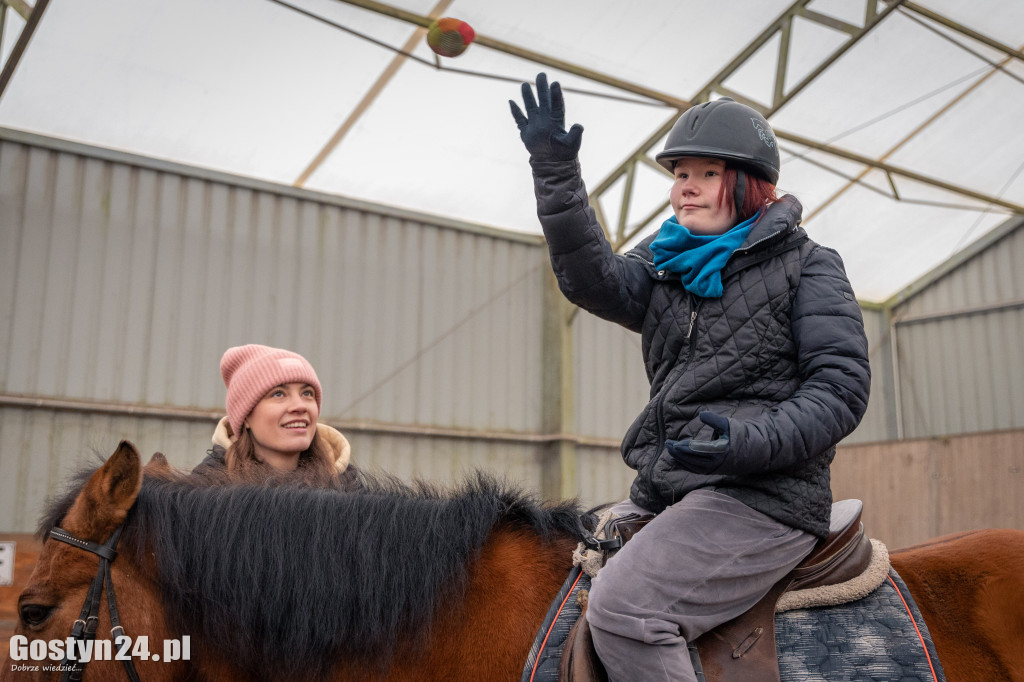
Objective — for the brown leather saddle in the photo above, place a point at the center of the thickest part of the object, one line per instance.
(743, 649)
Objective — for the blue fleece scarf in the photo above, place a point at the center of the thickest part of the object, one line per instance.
(698, 259)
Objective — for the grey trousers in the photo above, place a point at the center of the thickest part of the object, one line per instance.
(701, 562)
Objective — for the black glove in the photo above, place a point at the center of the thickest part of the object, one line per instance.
(703, 456)
(542, 128)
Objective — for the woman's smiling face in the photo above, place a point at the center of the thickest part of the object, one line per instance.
(283, 424)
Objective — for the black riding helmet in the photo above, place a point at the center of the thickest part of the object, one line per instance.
(724, 129)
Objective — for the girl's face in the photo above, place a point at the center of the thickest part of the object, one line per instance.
(283, 423)
(694, 196)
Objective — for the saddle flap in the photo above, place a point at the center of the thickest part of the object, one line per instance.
(579, 660)
(743, 649)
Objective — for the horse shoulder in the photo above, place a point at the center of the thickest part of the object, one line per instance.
(970, 590)
(488, 636)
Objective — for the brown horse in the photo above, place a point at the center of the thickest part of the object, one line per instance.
(390, 583)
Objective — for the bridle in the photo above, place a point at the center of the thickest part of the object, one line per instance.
(84, 628)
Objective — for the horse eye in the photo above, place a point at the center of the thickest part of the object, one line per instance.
(35, 614)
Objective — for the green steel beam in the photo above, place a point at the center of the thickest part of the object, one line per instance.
(19, 6)
(530, 55)
(960, 28)
(781, 93)
(902, 172)
(906, 139)
(31, 23)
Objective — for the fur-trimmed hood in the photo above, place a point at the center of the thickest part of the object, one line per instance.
(336, 442)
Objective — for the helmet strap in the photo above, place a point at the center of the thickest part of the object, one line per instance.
(739, 191)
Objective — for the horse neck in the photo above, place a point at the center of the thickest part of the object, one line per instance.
(488, 636)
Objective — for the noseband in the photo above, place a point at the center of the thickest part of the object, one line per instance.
(89, 619)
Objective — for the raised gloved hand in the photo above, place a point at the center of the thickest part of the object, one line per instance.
(542, 128)
(703, 456)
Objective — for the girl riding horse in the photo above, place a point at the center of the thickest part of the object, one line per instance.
(755, 350)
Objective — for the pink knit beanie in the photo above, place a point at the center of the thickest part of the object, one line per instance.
(250, 371)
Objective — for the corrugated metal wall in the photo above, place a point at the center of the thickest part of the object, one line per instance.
(611, 383)
(876, 425)
(611, 388)
(123, 279)
(126, 284)
(41, 447)
(959, 357)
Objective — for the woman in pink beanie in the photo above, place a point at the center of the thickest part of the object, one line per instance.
(273, 404)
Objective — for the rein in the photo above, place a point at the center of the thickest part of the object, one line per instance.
(88, 620)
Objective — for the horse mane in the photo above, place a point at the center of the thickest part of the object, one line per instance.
(279, 574)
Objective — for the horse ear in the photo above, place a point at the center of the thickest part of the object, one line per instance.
(107, 496)
(122, 476)
(158, 466)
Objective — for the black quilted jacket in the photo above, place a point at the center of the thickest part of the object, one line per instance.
(782, 353)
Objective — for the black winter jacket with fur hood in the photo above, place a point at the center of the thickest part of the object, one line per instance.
(782, 353)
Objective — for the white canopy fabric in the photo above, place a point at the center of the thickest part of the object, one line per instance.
(257, 88)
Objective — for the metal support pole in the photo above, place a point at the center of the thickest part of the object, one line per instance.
(558, 468)
(897, 393)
